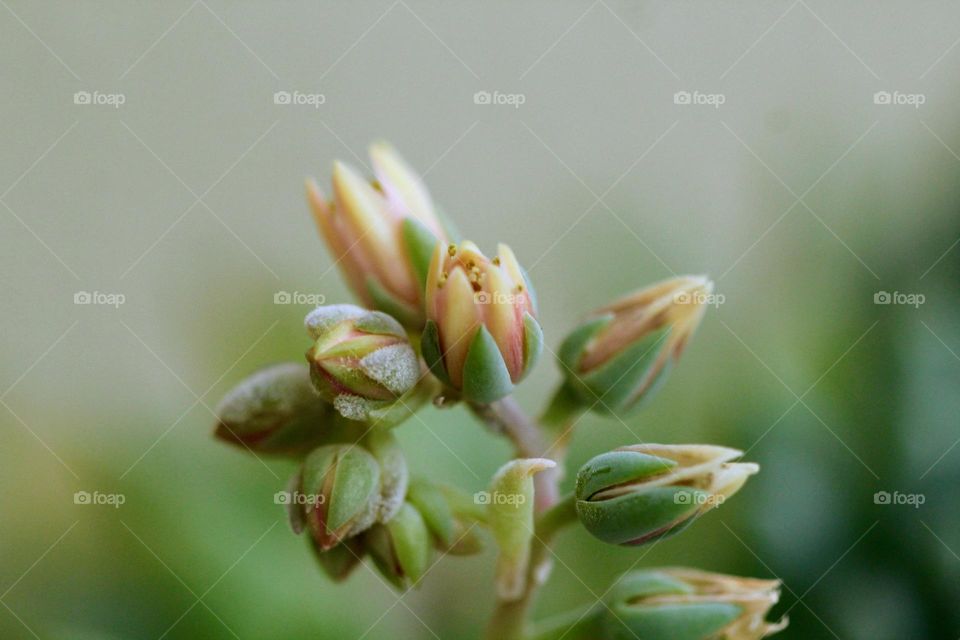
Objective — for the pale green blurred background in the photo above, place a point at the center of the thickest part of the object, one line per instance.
(599, 181)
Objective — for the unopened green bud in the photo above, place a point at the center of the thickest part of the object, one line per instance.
(340, 561)
(618, 357)
(339, 493)
(453, 528)
(275, 411)
(401, 548)
(361, 360)
(637, 494)
(394, 475)
(510, 503)
(686, 604)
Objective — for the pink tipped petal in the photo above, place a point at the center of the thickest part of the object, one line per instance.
(347, 257)
(504, 318)
(405, 191)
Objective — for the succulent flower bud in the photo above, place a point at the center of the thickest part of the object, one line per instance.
(276, 411)
(686, 604)
(617, 357)
(637, 494)
(511, 505)
(401, 548)
(339, 493)
(481, 336)
(340, 561)
(361, 360)
(382, 233)
(450, 521)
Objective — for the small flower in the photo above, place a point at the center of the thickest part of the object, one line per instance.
(637, 494)
(686, 604)
(361, 360)
(277, 411)
(382, 233)
(481, 336)
(619, 355)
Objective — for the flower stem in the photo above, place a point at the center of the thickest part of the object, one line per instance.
(506, 417)
(510, 618)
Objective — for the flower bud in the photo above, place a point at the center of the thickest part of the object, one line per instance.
(361, 360)
(401, 548)
(481, 336)
(623, 351)
(686, 604)
(637, 494)
(450, 522)
(340, 561)
(511, 504)
(276, 410)
(340, 490)
(381, 234)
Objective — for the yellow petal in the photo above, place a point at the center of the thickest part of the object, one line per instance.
(458, 323)
(434, 282)
(404, 189)
(347, 257)
(503, 319)
(372, 228)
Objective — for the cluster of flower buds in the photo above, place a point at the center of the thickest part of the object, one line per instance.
(430, 306)
(637, 494)
(431, 518)
(619, 355)
(381, 233)
(482, 336)
(401, 546)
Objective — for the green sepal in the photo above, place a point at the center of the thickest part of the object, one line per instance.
(380, 323)
(618, 380)
(642, 584)
(350, 497)
(432, 504)
(394, 475)
(340, 561)
(420, 244)
(411, 542)
(618, 467)
(430, 350)
(640, 517)
(682, 621)
(532, 342)
(485, 375)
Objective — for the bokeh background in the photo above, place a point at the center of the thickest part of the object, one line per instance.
(802, 195)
